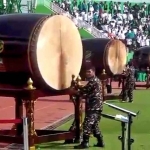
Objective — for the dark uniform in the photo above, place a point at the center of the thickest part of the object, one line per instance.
(148, 77)
(129, 84)
(94, 106)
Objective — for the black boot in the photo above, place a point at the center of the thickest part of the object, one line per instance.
(100, 142)
(130, 101)
(84, 144)
(71, 141)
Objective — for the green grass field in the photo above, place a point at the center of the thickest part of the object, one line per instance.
(112, 129)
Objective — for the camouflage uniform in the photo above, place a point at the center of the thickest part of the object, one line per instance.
(148, 79)
(129, 84)
(94, 106)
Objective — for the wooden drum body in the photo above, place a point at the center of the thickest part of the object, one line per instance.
(142, 57)
(105, 54)
(46, 48)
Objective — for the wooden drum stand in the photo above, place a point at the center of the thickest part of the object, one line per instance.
(104, 78)
(27, 97)
(78, 105)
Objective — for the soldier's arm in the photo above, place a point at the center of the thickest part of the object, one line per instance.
(101, 90)
(127, 72)
(87, 88)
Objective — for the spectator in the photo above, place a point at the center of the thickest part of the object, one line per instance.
(125, 21)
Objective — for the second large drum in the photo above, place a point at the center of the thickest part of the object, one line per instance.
(107, 54)
(142, 57)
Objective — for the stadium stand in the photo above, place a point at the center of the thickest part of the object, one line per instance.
(122, 20)
(114, 19)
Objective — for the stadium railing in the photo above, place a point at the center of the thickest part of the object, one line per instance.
(81, 24)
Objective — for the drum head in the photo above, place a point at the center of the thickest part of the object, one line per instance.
(142, 57)
(116, 56)
(58, 52)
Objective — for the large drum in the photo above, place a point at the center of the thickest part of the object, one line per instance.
(107, 54)
(46, 48)
(142, 57)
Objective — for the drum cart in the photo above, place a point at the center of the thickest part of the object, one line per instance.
(27, 97)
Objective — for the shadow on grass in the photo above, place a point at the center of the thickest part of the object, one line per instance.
(55, 146)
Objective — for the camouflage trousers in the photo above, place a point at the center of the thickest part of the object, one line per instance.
(90, 124)
(148, 81)
(128, 91)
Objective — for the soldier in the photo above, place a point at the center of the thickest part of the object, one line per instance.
(129, 83)
(92, 92)
(148, 77)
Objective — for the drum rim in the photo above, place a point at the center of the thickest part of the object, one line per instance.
(36, 75)
(106, 51)
(33, 64)
(105, 61)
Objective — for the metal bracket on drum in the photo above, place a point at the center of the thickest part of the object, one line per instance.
(77, 101)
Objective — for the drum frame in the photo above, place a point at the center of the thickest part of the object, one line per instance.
(27, 97)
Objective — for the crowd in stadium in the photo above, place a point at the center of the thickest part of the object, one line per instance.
(116, 20)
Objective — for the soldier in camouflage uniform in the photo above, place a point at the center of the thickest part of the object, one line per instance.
(129, 83)
(94, 106)
(148, 77)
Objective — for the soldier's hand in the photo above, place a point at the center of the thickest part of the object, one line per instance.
(72, 91)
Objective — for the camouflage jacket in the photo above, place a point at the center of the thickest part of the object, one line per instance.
(93, 94)
(130, 74)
